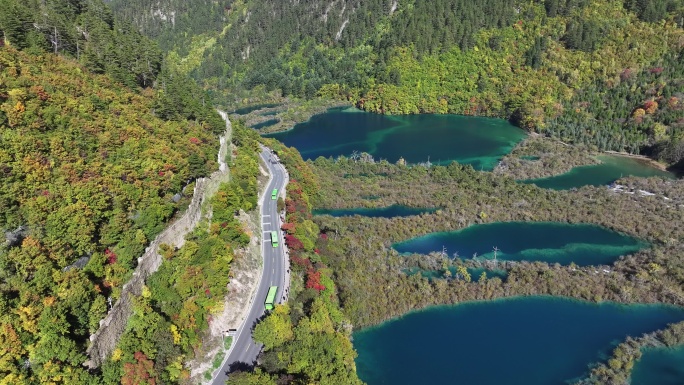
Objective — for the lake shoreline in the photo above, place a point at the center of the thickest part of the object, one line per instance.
(650, 161)
(535, 318)
(286, 124)
(292, 114)
(516, 297)
(417, 139)
(555, 242)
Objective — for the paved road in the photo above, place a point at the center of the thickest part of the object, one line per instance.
(244, 351)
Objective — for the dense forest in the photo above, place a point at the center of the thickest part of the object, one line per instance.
(102, 134)
(174, 23)
(176, 305)
(100, 143)
(603, 73)
(86, 30)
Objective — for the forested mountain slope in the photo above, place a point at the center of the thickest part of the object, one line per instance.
(92, 165)
(88, 172)
(173, 23)
(606, 73)
(86, 30)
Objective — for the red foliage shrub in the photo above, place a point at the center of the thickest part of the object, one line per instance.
(290, 206)
(313, 280)
(111, 256)
(194, 140)
(650, 106)
(141, 372)
(40, 93)
(626, 74)
(289, 227)
(293, 242)
(297, 260)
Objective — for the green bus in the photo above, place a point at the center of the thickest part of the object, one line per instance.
(274, 238)
(274, 194)
(270, 297)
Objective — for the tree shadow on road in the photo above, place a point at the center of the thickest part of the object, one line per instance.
(240, 367)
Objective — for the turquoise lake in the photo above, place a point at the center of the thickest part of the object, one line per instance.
(530, 241)
(661, 366)
(477, 141)
(521, 341)
(383, 212)
(608, 171)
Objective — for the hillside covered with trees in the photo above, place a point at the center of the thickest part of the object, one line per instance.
(102, 133)
(602, 73)
(178, 302)
(173, 23)
(99, 146)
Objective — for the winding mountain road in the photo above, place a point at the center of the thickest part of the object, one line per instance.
(244, 350)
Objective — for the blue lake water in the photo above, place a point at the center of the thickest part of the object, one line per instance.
(530, 241)
(478, 141)
(521, 341)
(664, 366)
(608, 171)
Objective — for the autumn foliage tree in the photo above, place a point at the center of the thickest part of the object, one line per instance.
(140, 372)
(288, 227)
(88, 173)
(313, 280)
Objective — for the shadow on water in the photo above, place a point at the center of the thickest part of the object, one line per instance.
(677, 169)
(379, 212)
